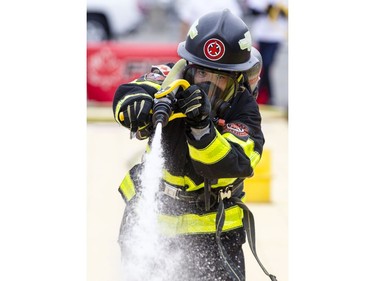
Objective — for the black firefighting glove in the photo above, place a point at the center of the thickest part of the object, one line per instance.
(137, 115)
(194, 103)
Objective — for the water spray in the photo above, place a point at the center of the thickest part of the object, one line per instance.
(142, 247)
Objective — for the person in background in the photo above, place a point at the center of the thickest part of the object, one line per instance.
(207, 154)
(189, 11)
(269, 30)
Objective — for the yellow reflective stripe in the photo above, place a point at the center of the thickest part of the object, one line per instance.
(120, 102)
(148, 83)
(213, 153)
(240, 78)
(248, 148)
(192, 223)
(127, 187)
(181, 181)
(117, 111)
(254, 158)
(174, 180)
(191, 186)
(148, 148)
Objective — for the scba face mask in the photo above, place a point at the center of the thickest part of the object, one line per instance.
(219, 86)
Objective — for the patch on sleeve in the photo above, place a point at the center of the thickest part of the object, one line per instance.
(237, 129)
(154, 77)
(161, 69)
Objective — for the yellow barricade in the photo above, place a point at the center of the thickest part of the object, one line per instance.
(258, 187)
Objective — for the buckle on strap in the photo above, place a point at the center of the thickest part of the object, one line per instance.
(225, 193)
(171, 191)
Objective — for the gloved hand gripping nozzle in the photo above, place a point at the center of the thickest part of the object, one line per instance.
(164, 101)
(164, 98)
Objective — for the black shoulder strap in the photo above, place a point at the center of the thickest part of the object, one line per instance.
(249, 226)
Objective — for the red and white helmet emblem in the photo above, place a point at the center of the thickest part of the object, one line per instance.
(214, 49)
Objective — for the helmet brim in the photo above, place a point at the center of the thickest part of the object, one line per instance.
(182, 52)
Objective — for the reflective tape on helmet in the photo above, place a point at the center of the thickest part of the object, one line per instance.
(213, 153)
(198, 224)
(127, 187)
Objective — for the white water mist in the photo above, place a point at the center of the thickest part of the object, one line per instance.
(146, 257)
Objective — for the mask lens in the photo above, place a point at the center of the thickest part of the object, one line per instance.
(219, 86)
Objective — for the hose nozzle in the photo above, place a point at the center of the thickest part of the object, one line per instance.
(162, 111)
(163, 100)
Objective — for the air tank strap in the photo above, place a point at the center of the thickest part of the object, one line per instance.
(249, 225)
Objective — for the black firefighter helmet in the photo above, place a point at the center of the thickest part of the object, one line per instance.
(218, 40)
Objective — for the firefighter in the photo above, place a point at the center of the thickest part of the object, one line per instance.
(209, 152)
